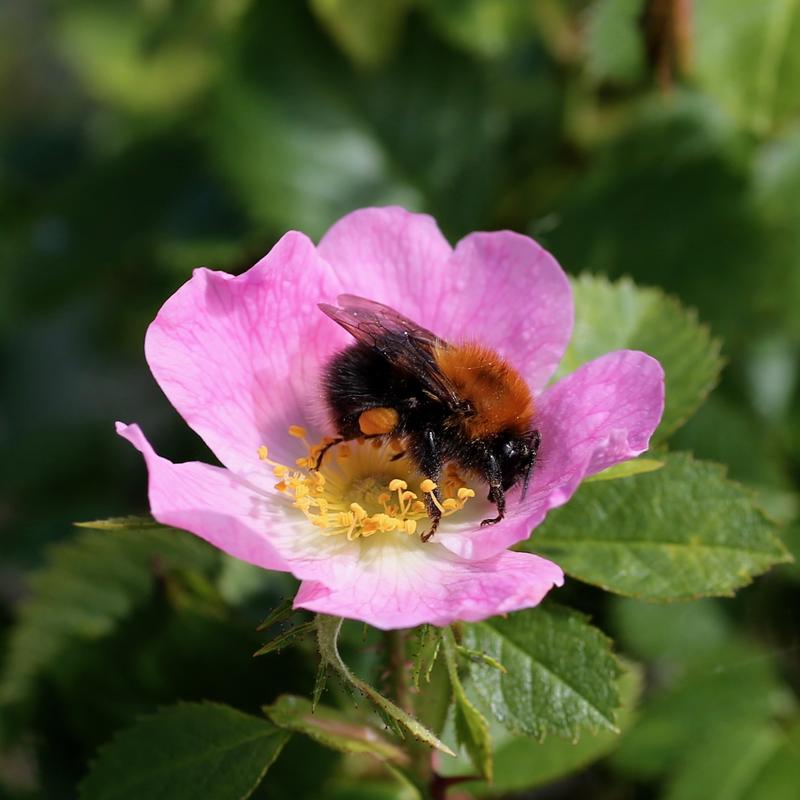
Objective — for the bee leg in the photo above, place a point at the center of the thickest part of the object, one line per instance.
(428, 457)
(498, 497)
(398, 456)
(496, 493)
(321, 454)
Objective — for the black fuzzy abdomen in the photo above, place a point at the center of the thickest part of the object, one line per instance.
(359, 378)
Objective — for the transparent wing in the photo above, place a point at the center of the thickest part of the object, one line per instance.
(401, 341)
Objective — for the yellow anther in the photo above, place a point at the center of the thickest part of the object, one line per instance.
(352, 500)
(369, 526)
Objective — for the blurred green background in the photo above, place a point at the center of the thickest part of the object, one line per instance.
(658, 139)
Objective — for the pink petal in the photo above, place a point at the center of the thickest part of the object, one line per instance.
(603, 413)
(208, 501)
(501, 289)
(401, 586)
(507, 292)
(240, 358)
(392, 256)
(242, 520)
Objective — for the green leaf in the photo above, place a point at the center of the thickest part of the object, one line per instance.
(428, 643)
(670, 635)
(635, 466)
(120, 523)
(332, 728)
(679, 533)
(749, 60)
(367, 31)
(562, 676)
(777, 780)
(285, 638)
(88, 586)
(186, 751)
(730, 685)
(327, 637)
(488, 28)
(472, 729)
(621, 315)
(144, 62)
(614, 42)
(280, 613)
(728, 764)
(523, 763)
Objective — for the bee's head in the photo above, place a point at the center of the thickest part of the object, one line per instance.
(516, 456)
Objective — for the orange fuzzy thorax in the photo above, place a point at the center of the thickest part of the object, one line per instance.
(497, 393)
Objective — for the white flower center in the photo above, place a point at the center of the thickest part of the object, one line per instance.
(362, 488)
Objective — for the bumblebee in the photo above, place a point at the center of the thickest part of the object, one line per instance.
(445, 403)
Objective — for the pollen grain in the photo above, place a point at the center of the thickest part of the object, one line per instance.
(362, 491)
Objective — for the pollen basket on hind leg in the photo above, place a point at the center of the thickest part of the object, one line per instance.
(498, 395)
(376, 421)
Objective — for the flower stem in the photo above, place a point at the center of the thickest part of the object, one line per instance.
(400, 687)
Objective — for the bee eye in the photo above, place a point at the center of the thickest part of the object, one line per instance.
(510, 450)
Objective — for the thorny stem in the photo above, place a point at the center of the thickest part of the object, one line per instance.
(400, 686)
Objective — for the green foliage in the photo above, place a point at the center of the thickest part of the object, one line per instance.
(561, 675)
(472, 728)
(523, 763)
(368, 32)
(729, 766)
(177, 750)
(613, 316)
(614, 46)
(681, 532)
(742, 738)
(332, 728)
(635, 466)
(88, 586)
(749, 59)
(399, 720)
(489, 28)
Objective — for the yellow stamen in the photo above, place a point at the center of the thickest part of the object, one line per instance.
(348, 494)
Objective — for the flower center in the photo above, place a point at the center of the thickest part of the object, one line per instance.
(362, 488)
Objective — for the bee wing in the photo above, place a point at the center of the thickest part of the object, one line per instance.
(401, 341)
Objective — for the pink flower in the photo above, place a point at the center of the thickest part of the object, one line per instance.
(240, 359)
